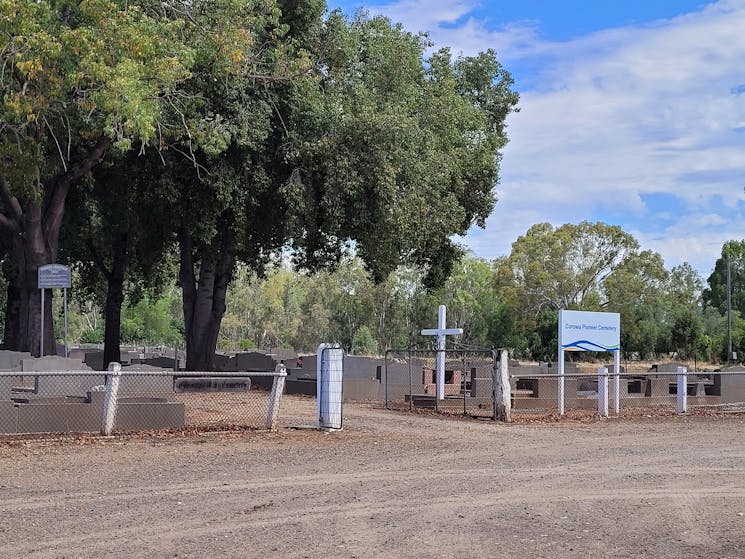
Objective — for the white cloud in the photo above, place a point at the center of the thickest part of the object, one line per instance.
(613, 118)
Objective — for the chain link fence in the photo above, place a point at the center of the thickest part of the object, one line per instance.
(411, 383)
(134, 401)
(628, 393)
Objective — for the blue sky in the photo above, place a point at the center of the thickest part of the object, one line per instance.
(631, 113)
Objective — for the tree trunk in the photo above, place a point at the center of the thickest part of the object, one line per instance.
(203, 301)
(36, 232)
(114, 301)
(16, 313)
(37, 253)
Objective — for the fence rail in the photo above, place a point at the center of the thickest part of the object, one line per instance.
(628, 393)
(129, 400)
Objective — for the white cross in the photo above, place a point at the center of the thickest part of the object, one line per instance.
(441, 332)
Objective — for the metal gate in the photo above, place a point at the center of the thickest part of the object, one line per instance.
(410, 381)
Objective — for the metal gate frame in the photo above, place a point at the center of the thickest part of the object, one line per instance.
(463, 353)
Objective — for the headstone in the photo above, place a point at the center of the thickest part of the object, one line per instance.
(223, 362)
(146, 385)
(254, 361)
(60, 385)
(94, 359)
(162, 362)
(11, 360)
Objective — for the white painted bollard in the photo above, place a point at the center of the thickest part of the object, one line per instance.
(329, 379)
(278, 388)
(503, 389)
(617, 382)
(682, 406)
(109, 399)
(603, 391)
(560, 386)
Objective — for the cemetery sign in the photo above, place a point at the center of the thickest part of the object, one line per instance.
(54, 276)
(589, 331)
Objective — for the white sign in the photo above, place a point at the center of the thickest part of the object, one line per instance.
(589, 331)
(54, 276)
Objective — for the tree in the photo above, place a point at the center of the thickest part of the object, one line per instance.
(79, 78)
(392, 151)
(566, 267)
(364, 343)
(637, 289)
(117, 229)
(687, 334)
(715, 294)
(339, 159)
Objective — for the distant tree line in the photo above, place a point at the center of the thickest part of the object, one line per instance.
(510, 302)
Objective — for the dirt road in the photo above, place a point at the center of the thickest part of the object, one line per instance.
(389, 485)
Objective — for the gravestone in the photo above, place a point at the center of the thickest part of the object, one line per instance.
(162, 362)
(254, 361)
(60, 385)
(11, 360)
(94, 359)
(223, 362)
(146, 385)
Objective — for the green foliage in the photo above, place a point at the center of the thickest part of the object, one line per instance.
(687, 334)
(90, 336)
(150, 321)
(391, 150)
(364, 343)
(716, 292)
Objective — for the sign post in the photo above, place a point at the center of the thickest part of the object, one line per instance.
(53, 276)
(590, 331)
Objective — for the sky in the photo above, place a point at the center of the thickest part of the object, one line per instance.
(631, 113)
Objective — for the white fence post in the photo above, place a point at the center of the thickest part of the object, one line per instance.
(603, 391)
(502, 389)
(278, 387)
(109, 400)
(682, 390)
(617, 382)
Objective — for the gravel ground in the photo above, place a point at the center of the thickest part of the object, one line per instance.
(390, 484)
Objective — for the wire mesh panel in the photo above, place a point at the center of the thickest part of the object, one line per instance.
(411, 381)
(638, 393)
(85, 402)
(330, 386)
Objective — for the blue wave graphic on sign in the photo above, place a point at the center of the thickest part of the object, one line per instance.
(587, 345)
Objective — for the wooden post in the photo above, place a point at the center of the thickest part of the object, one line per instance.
(278, 387)
(109, 400)
(502, 389)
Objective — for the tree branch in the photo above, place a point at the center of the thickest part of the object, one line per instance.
(9, 224)
(97, 260)
(9, 201)
(55, 207)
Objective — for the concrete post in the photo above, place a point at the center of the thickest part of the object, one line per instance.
(603, 391)
(502, 389)
(682, 399)
(617, 382)
(278, 387)
(109, 400)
